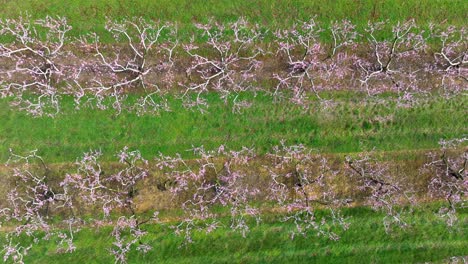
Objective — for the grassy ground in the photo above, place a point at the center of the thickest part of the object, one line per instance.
(351, 126)
(87, 15)
(429, 240)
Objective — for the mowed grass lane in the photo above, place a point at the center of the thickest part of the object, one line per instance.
(353, 125)
(427, 239)
(89, 16)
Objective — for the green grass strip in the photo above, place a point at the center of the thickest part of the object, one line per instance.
(89, 16)
(351, 126)
(427, 240)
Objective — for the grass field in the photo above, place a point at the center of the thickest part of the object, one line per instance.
(354, 123)
(88, 16)
(428, 240)
(351, 126)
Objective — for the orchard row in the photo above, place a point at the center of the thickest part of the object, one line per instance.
(217, 189)
(38, 68)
